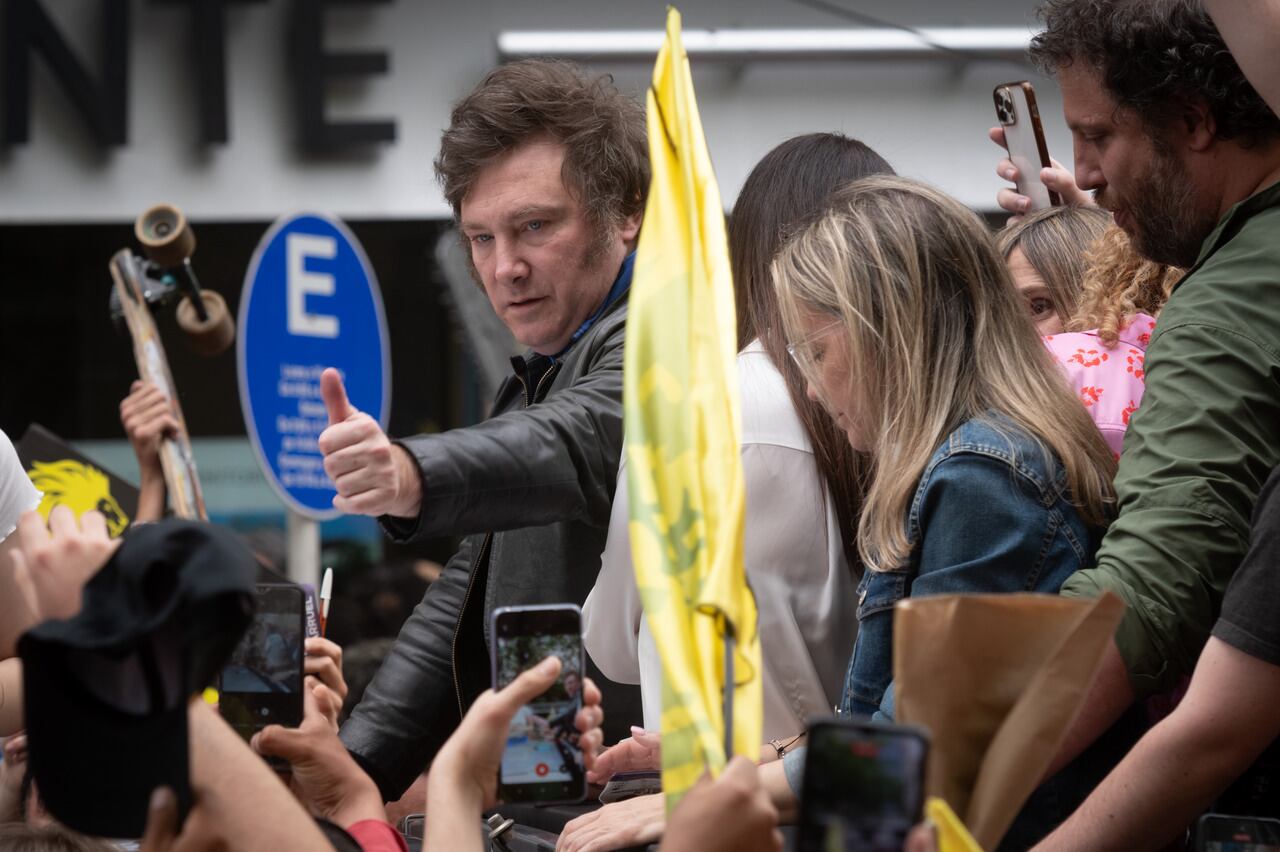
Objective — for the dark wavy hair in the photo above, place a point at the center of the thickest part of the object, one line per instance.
(788, 187)
(606, 163)
(1155, 57)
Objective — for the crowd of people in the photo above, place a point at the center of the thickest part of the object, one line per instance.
(1087, 401)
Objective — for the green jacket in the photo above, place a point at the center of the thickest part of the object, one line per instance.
(1198, 449)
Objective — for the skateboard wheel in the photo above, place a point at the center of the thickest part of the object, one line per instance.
(211, 336)
(165, 235)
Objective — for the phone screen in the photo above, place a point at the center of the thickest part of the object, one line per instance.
(542, 761)
(1222, 833)
(262, 682)
(863, 786)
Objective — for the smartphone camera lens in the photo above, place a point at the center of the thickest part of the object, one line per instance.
(1004, 107)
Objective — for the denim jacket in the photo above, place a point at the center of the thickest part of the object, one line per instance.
(991, 513)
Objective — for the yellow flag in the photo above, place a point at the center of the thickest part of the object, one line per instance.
(682, 441)
(949, 832)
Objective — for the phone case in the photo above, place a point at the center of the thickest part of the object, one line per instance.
(1024, 139)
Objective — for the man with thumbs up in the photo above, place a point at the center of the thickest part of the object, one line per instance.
(546, 170)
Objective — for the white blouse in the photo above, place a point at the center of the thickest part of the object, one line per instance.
(794, 559)
(17, 494)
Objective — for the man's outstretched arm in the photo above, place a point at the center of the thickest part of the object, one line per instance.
(1226, 720)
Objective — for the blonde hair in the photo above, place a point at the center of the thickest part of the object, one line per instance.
(935, 336)
(1118, 283)
(1054, 242)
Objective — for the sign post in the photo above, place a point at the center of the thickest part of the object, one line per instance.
(310, 301)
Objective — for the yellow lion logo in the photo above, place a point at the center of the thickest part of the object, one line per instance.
(79, 486)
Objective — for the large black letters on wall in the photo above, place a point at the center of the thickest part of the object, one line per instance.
(312, 67)
(209, 52)
(28, 29)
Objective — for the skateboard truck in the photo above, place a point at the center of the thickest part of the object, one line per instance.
(497, 828)
(166, 276)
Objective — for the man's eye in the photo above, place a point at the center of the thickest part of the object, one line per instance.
(480, 238)
(1041, 307)
(535, 225)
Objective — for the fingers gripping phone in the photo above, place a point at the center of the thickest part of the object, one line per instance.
(542, 761)
(262, 683)
(863, 786)
(1024, 139)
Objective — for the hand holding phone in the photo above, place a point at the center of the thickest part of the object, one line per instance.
(1019, 118)
(542, 761)
(863, 787)
(262, 683)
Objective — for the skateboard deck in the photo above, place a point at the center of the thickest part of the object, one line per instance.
(176, 457)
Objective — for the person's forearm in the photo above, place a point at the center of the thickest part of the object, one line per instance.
(10, 696)
(15, 615)
(773, 778)
(240, 794)
(1108, 698)
(1251, 29)
(1128, 812)
(356, 808)
(409, 500)
(152, 494)
(453, 813)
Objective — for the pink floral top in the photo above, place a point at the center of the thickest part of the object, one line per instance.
(1108, 380)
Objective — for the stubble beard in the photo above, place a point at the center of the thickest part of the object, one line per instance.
(1169, 226)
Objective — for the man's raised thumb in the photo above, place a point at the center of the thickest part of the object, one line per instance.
(335, 396)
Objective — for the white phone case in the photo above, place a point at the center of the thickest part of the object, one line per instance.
(1026, 150)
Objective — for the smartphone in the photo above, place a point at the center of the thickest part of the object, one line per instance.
(1221, 833)
(542, 761)
(863, 786)
(262, 682)
(628, 785)
(1024, 139)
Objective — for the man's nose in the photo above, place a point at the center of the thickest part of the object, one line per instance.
(1088, 174)
(510, 266)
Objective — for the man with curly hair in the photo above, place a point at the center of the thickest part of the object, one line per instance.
(1173, 139)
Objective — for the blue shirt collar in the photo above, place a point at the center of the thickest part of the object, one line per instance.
(620, 286)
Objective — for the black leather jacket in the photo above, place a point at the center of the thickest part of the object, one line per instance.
(531, 489)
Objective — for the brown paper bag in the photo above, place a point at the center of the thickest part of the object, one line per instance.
(996, 679)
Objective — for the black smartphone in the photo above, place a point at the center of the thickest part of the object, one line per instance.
(1018, 114)
(542, 761)
(1223, 833)
(262, 682)
(863, 787)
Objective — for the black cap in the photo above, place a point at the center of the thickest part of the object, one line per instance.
(106, 692)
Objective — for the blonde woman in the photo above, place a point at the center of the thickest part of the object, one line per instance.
(987, 474)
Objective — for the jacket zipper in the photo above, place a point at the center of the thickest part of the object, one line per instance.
(484, 548)
(551, 371)
(457, 627)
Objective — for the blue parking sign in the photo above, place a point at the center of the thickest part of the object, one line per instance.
(310, 301)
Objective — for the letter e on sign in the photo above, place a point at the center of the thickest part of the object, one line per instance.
(310, 301)
(302, 283)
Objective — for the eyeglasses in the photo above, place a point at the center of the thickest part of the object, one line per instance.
(799, 351)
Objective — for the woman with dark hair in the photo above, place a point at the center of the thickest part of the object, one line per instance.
(801, 476)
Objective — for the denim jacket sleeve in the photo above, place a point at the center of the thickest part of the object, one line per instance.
(986, 518)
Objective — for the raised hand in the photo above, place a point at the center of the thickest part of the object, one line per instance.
(1057, 178)
(52, 564)
(729, 814)
(147, 417)
(642, 751)
(373, 476)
